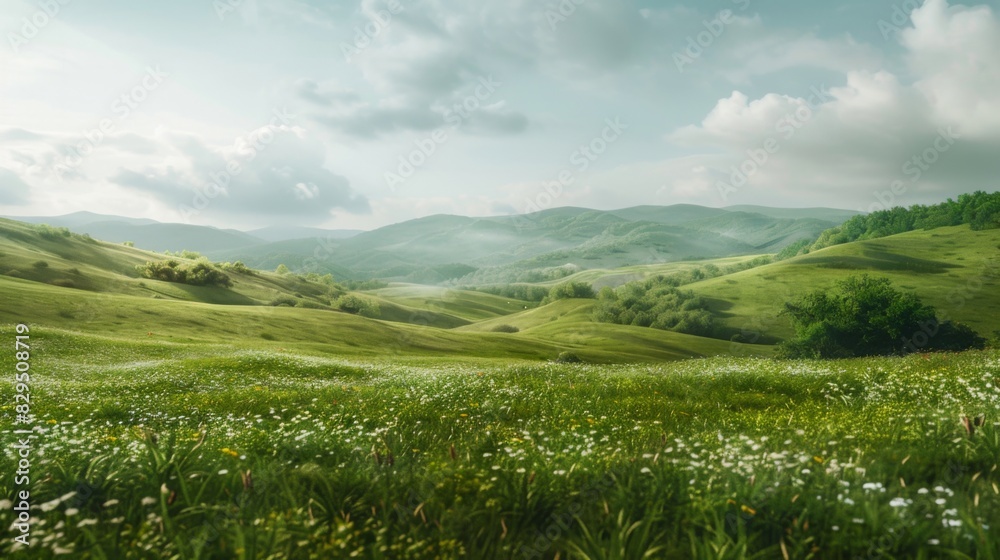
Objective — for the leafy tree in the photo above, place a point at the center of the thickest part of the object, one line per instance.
(869, 317)
(282, 270)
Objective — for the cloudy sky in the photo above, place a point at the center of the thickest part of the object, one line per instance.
(357, 114)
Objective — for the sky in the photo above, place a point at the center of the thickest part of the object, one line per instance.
(359, 114)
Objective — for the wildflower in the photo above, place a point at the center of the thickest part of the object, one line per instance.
(148, 501)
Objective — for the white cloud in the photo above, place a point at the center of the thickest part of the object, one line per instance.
(863, 136)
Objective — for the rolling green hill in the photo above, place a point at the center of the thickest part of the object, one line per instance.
(92, 287)
(954, 269)
(73, 282)
(525, 248)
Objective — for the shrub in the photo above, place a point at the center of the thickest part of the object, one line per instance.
(570, 290)
(198, 274)
(568, 358)
(357, 305)
(237, 267)
(40, 265)
(284, 301)
(282, 270)
(869, 317)
(505, 329)
(48, 232)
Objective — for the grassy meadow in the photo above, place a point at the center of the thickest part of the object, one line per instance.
(258, 421)
(166, 450)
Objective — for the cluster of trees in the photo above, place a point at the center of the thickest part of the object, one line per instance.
(525, 292)
(658, 303)
(185, 254)
(237, 267)
(800, 247)
(514, 274)
(50, 232)
(979, 209)
(569, 290)
(197, 274)
(869, 317)
(358, 305)
(362, 285)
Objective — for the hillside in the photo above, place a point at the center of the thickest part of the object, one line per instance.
(953, 269)
(86, 285)
(530, 248)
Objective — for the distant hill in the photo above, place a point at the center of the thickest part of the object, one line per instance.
(287, 233)
(543, 246)
(537, 247)
(77, 219)
(149, 234)
(826, 214)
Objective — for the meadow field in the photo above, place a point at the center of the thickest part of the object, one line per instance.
(162, 449)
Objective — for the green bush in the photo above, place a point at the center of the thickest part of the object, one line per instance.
(48, 232)
(40, 265)
(237, 267)
(357, 305)
(658, 303)
(570, 290)
(198, 274)
(869, 317)
(284, 301)
(505, 329)
(568, 358)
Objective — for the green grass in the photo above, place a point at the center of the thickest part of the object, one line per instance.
(147, 445)
(468, 305)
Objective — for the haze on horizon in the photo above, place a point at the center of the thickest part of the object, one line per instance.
(354, 115)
